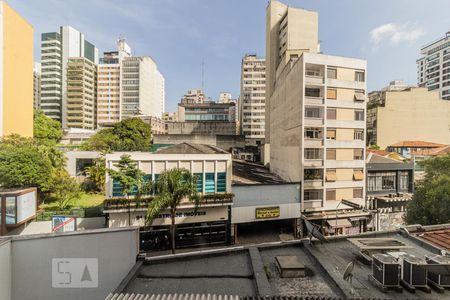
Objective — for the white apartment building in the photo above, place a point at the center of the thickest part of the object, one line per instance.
(252, 102)
(433, 68)
(36, 85)
(193, 96)
(56, 49)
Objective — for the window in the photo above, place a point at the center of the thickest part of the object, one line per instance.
(10, 210)
(358, 154)
(358, 174)
(199, 182)
(331, 134)
(359, 76)
(210, 184)
(331, 154)
(312, 92)
(313, 174)
(222, 182)
(313, 195)
(313, 112)
(381, 181)
(332, 73)
(358, 135)
(313, 133)
(404, 180)
(331, 175)
(332, 94)
(312, 153)
(358, 193)
(359, 115)
(331, 113)
(331, 194)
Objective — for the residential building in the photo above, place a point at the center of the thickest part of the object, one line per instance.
(109, 87)
(405, 148)
(433, 68)
(390, 185)
(142, 88)
(36, 85)
(170, 116)
(225, 97)
(411, 113)
(193, 96)
(56, 49)
(157, 125)
(76, 136)
(252, 107)
(418, 156)
(16, 73)
(81, 93)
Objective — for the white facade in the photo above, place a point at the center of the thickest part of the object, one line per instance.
(433, 68)
(37, 85)
(252, 102)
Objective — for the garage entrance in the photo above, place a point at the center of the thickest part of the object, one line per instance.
(264, 231)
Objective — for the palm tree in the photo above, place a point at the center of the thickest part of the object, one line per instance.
(173, 186)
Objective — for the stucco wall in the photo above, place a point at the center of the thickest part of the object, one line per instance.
(5, 270)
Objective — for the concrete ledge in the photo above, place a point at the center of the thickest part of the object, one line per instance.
(262, 284)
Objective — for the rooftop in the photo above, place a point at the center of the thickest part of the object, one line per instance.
(251, 173)
(433, 152)
(438, 235)
(190, 148)
(417, 144)
(374, 158)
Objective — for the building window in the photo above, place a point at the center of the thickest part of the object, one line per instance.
(313, 153)
(10, 210)
(404, 180)
(312, 92)
(358, 174)
(331, 73)
(381, 181)
(199, 182)
(358, 154)
(313, 112)
(359, 76)
(331, 113)
(313, 133)
(331, 194)
(331, 154)
(358, 193)
(358, 135)
(331, 175)
(331, 94)
(210, 184)
(359, 115)
(331, 134)
(310, 195)
(312, 174)
(222, 182)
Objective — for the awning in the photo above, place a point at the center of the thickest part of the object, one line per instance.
(360, 96)
(331, 176)
(358, 175)
(339, 224)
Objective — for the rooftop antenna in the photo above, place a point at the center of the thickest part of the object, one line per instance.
(203, 74)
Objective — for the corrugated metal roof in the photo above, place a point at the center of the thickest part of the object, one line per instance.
(133, 296)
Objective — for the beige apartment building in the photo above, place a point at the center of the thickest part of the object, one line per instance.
(252, 104)
(81, 95)
(408, 114)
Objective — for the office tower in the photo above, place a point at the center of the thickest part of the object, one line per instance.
(433, 68)
(36, 85)
(317, 120)
(253, 98)
(108, 91)
(81, 94)
(16, 73)
(56, 49)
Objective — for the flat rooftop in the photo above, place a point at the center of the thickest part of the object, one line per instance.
(251, 173)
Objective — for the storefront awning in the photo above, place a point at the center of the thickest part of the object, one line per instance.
(339, 223)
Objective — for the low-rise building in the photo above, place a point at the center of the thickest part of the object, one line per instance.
(405, 148)
(157, 125)
(420, 155)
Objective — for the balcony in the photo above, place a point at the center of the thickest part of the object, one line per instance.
(314, 183)
(313, 79)
(313, 163)
(313, 142)
(314, 100)
(312, 204)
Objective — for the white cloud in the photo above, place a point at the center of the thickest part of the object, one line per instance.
(395, 34)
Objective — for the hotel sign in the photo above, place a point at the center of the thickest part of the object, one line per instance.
(267, 212)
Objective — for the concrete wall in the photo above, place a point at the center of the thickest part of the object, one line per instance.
(5, 270)
(72, 157)
(46, 226)
(115, 249)
(212, 128)
(222, 141)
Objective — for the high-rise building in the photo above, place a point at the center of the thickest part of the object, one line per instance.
(193, 96)
(433, 68)
(16, 73)
(56, 49)
(317, 120)
(36, 85)
(108, 91)
(81, 93)
(252, 102)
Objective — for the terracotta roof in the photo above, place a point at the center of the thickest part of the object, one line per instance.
(374, 158)
(379, 152)
(433, 151)
(417, 144)
(440, 238)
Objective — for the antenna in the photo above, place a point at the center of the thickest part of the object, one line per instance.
(203, 74)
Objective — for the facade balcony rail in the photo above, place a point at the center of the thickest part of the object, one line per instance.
(313, 162)
(314, 79)
(312, 204)
(314, 100)
(313, 183)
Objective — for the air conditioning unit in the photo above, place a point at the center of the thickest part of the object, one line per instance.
(386, 270)
(413, 272)
(439, 279)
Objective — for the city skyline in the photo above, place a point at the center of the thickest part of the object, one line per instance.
(221, 35)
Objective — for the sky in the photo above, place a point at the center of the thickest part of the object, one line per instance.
(179, 34)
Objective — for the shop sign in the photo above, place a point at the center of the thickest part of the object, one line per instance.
(267, 212)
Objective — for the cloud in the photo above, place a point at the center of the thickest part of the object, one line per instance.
(395, 34)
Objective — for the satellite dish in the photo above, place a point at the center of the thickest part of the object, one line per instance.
(313, 231)
(348, 275)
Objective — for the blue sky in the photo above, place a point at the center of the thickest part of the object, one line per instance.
(179, 33)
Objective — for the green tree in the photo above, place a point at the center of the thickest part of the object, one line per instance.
(130, 177)
(173, 186)
(45, 129)
(374, 147)
(431, 201)
(128, 135)
(65, 189)
(97, 172)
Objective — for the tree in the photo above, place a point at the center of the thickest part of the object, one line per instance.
(45, 129)
(173, 186)
(130, 177)
(97, 172)
(128, 135)
(65, 189)
(374, 147)
(431, 201)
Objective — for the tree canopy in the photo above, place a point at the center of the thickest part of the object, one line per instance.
(431, 201)
(45, 129)
(128, 135)
(130, 177)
